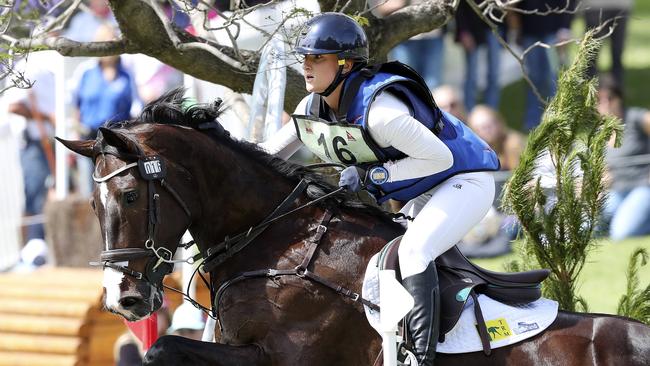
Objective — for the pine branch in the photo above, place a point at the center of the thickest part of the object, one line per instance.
(636, 303)
(559, 221)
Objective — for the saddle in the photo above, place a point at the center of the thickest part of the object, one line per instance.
(459, 279)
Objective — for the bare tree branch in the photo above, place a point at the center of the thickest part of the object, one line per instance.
(520, 60)
(486, 11)
(62, 19)
(145, 30)
(407, 22)
(68, 47)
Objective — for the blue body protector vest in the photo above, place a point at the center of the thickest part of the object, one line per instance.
(470, 152)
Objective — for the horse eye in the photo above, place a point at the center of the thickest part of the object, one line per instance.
(130, 197)
(92, 203)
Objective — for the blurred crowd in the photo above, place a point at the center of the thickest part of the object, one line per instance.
(116, 87)
(477, 101)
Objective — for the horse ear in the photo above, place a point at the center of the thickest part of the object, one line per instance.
(81, 147)
(119, 140)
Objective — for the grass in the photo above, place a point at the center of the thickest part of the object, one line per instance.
(636, 60)
(603, 279)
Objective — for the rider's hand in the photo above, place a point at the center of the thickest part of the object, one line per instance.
(355, 178)
(352, 178)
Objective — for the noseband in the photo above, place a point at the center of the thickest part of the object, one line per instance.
(152, 169)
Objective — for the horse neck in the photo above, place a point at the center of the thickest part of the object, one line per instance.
(235, 192)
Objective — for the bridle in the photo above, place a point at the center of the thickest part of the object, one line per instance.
(152, 168)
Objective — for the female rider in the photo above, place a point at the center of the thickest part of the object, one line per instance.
(384, 125)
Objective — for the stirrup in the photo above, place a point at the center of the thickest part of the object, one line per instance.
(405, 357)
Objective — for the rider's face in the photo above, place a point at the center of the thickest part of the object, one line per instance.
(320, 71)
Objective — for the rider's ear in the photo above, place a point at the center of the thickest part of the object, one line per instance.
(81, 147)
(348, 66)
(119, 140)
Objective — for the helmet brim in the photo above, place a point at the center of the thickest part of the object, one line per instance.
(314, 51)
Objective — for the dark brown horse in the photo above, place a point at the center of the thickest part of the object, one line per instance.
(219, 187)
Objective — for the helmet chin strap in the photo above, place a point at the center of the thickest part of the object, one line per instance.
(340, 76)
(337, 80)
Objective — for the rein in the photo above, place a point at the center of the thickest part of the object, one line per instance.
(300, 271)
(152, 168)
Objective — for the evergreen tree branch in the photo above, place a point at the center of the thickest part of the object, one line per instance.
(559, 221)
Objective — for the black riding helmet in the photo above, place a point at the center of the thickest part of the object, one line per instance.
(334, 33)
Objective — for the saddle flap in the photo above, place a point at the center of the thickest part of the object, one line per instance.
(455, 289)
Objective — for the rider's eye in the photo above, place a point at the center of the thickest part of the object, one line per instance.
(129, 197)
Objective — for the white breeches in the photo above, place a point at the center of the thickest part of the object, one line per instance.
(443, 215)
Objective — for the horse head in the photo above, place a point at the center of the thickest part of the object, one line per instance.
(172, 169)
(144, 205)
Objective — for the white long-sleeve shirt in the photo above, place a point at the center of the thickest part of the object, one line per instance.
(389, 124)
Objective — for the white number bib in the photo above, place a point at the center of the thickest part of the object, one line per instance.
(334, 142)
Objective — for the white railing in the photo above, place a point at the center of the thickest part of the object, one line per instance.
(11, 197)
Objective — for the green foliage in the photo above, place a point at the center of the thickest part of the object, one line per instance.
(363, 21)
(559, 222)
(636, 303)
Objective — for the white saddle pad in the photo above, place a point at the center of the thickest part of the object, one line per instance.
(506, 324)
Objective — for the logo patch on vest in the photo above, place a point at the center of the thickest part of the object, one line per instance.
(152, 167)
(350, 137)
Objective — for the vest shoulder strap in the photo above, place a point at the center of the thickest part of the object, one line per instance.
(352, 88)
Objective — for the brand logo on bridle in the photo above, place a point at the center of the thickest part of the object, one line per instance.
(152, 167)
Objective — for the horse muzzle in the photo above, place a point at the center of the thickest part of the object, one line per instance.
(128, 297)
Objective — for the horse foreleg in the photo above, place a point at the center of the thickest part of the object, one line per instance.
(174, 350)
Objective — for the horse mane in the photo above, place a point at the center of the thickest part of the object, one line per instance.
(173, 108)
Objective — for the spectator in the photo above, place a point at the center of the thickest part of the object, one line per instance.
(546, 27)
(473, 34)
(627, 210)
(188, 321)
(151, 78)
(37, 106)
(85, 24)
(598, 12)
(490, 126)
(449, 100)
(424, 52)
(104, 93)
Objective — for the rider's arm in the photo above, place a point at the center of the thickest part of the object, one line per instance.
(391, 124)
(285, 142)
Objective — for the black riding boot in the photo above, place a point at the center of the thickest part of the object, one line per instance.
(423, 320)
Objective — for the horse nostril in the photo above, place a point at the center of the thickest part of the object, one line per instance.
(129, 301)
